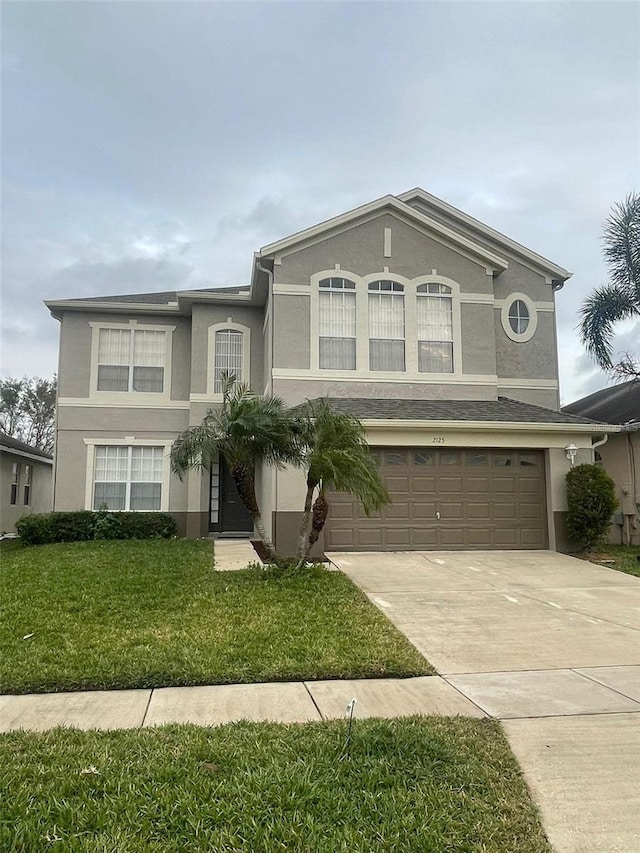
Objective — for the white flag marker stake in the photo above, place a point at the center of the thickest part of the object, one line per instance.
(349, 716)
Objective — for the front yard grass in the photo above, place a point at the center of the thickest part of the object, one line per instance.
(625, 558)
(449, 785)
(100, 615)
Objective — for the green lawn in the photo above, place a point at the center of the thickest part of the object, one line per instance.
(626, 558)
(447, 785)
(154, 614)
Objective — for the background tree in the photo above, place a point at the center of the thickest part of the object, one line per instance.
(28, 409)
(620, 299)
(245, 430)
(336, 457)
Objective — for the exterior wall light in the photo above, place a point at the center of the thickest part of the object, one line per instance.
(571, 451)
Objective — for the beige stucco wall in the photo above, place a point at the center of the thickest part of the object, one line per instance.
(292, 332)
(71, 469)
(208, 315)
(295, 391)
(75, 350)
(40, 493)
(621, 460)
(360, 250)
(533, 359)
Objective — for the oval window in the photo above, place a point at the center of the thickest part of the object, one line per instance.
(519, 317)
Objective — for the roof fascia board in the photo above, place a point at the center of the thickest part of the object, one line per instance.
(485, 426)
(345, 220)
(5, 449)
(539, 262)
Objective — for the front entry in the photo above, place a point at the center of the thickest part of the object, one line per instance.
(227, 514)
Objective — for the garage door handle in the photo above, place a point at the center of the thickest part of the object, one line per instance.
(438, 516)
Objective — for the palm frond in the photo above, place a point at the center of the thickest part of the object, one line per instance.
(600, 311)
(621, 238)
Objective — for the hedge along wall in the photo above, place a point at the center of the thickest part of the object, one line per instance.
(84, 525)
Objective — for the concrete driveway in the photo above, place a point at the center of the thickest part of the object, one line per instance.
(548, 644)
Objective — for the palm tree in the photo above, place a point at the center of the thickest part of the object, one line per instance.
(620, 299)
(336, 457)
(246, 429)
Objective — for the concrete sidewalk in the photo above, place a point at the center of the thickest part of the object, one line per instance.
(229, 555)
(284, 702)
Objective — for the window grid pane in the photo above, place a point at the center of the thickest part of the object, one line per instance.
(519, 317)
(227, 357)
(338, 353)
(148, 348)
(128, 478)
(114, 346)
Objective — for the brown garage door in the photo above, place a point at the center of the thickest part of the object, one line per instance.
(448, 498)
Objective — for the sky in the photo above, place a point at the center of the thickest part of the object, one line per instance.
(151, 146)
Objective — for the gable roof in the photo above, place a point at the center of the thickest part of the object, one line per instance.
(395, 205)
(619, 404)
(7, 443)
(494, 236)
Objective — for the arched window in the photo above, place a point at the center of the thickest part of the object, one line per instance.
(337, 310)
(228, 357)
(386, 326)
(435, 328)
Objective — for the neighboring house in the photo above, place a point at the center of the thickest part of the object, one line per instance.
(437, 331)
(25, 481)
(620, 454)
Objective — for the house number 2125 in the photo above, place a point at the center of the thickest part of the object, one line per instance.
(437, 439)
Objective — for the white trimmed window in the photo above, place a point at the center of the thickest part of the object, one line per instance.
(15, 483)
(435, 328)
(337, 309)
(28, 476)
(518, 316)
(386, 326)
(131, 360)
(228, 357)
(128, 477)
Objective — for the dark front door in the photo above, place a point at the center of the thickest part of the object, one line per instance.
(232, 515)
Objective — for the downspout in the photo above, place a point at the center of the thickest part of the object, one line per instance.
(269, 275)
(601, 442)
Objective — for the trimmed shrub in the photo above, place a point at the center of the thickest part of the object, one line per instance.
(591, 502)
(84, 525)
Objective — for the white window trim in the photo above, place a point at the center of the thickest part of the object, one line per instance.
(211, 354)
(533, 318)
(128, 441)
(362, 371)
(130, 397)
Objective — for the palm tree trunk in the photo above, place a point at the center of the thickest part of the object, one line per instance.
(243, 477)
(303, 550)
(319, 517)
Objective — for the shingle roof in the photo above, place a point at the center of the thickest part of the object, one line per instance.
(13, 444)
(161, 298)
(501, 410)
(619, 404)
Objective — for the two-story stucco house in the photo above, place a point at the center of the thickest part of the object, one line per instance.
(435, 330)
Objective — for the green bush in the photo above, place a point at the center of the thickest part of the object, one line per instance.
(591, 502)
(85, 525)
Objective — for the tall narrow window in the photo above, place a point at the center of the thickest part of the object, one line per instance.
(15, 483)
(131, 360)
(337, 301)
(128, 478)
(435, 328)
(28, 469)
(386, 326)
(227, 357)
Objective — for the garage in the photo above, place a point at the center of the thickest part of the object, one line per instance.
(447, 498)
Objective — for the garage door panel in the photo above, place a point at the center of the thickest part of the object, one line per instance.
(503, 510)
(450, 484)
(371, 538)
(481, 509)
(485, 498)
(449, 510)
(397, 538)
(425, 511)
(452, 537)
